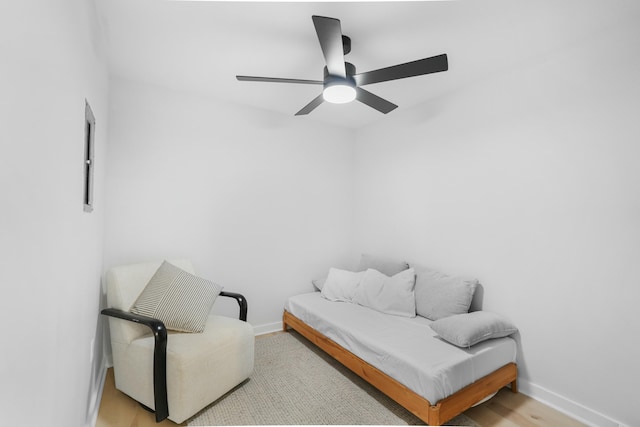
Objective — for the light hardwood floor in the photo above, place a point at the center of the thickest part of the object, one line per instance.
(505, 409)
(119, 410)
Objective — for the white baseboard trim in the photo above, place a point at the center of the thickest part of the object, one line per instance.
(267, 328)
(567, 406)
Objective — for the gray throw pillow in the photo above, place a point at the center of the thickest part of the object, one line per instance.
(439, 295)
(465, 330)
(387, 266)
(179, 299)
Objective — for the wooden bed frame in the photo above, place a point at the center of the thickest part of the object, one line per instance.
(433, 415)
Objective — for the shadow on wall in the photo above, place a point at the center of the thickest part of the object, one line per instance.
(478, 298)
(476, 305)
(425, 112)
(522, 366)
(99, 363)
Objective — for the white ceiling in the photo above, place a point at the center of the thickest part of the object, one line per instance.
(200, 46)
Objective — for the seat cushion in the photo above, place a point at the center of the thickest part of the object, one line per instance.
(200, 367)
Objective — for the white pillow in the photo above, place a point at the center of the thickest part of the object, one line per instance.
(341, 284)
(391, 295)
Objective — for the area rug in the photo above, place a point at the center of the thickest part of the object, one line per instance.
(295, 383)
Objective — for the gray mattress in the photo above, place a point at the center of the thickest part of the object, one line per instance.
(406, 349)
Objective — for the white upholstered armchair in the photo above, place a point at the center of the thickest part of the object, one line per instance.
(175, 374)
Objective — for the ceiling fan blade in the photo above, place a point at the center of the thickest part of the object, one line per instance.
(430, 65)
(330, 38)
(277, 80)
(311, 106)
(374, 101)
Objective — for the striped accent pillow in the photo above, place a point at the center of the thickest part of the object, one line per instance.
(179, 299)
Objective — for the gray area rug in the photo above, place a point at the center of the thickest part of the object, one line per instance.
(295, 383)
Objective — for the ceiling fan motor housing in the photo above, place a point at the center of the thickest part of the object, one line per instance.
(346, 44)
(337, 89)
(350, 70)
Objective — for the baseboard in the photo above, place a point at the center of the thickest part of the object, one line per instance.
(567, 406)
(267, 328)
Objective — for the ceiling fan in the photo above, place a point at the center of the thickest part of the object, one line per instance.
(341, 84)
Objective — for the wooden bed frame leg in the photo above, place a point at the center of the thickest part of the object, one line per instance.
(284, 326)
(434, 416)
(514, 386)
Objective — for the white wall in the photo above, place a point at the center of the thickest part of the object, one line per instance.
(51, 250)
(529, 180)
(260, 202)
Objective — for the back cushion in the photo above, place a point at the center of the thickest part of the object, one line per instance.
(387, 266)
(439, 295)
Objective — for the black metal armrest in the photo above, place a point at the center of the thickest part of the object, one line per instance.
(153, 324)
(242, 302)
(159, 357)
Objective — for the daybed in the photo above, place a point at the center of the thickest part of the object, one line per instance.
(434, 375)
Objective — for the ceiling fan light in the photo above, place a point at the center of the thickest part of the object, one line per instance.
(339, 93)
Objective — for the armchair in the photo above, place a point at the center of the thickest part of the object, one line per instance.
(175, 374)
